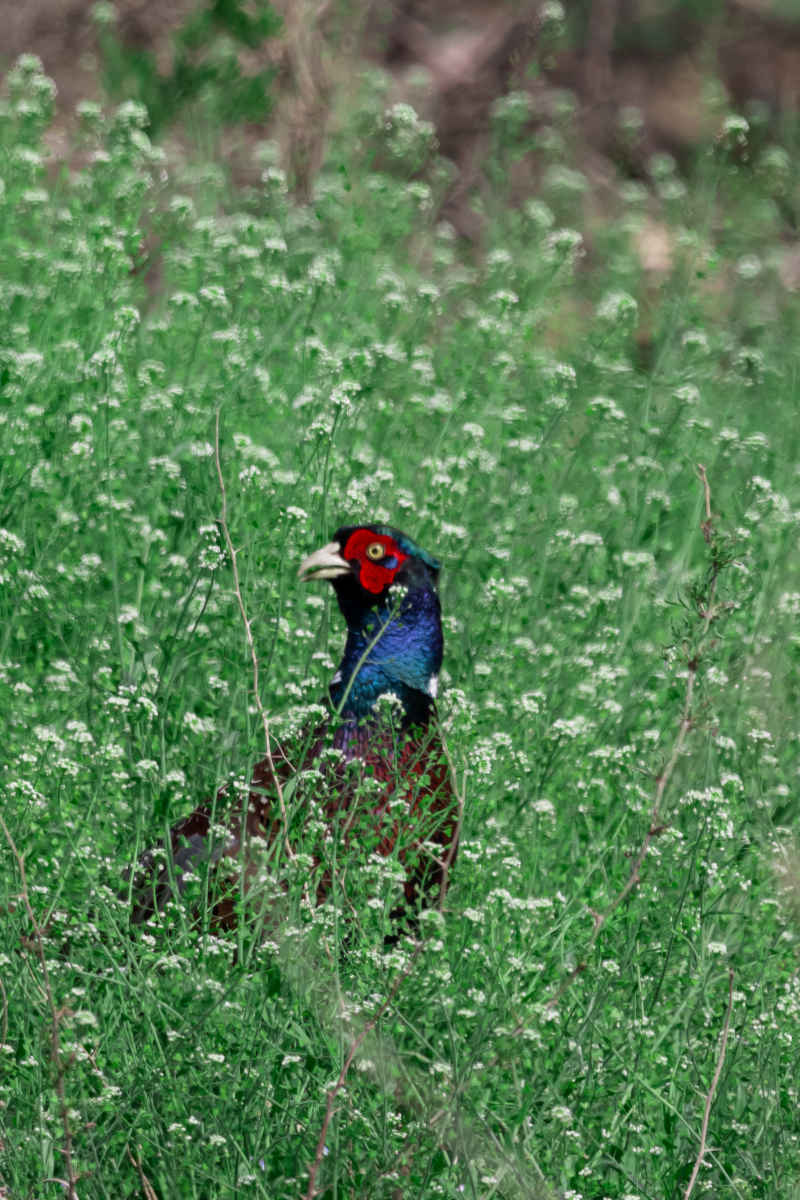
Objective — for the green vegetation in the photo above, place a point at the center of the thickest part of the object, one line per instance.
(205, 74)
(536, 419)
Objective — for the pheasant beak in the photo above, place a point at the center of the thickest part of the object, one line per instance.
(326, 563)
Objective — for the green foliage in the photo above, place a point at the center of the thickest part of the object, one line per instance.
(505, 415)
(205, 72)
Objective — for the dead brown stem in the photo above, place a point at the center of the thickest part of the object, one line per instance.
(4, 1030)
(707, 524)
(447, 861)
(147, 1187)
(710, 1097)
(249, 638)
(655, 825)
(56, 1014)
(356, 1043)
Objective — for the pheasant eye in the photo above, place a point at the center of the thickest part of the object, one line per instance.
(375, 550)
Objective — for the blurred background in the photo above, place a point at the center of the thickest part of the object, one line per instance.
(640, 77)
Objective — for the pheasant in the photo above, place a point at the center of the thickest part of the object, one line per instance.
(371, 777)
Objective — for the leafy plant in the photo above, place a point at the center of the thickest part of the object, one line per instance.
(205, 74)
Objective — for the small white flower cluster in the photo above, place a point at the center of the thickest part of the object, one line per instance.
(408, 138)
(618, 308)
(563, 248)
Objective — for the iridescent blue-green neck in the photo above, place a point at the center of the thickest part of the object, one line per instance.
(394, 646)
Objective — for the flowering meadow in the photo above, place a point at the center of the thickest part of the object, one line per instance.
(602, 450)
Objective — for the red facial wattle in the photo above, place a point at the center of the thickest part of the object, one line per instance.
(374, 576)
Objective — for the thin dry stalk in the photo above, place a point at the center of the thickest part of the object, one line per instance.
(357, 1042)
(147, 1187)
(710, 1097)
(4, 1030)
(707, 613)
(706, 525)
(447, 861)
(70, 1183)
(251, 646)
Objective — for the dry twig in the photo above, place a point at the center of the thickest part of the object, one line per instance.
(355, 1045)
(447, 861)
(56, 1015)
(4, 1030)
(710, 1097)
(655, 826)
(147, 1187)
(250, 643)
